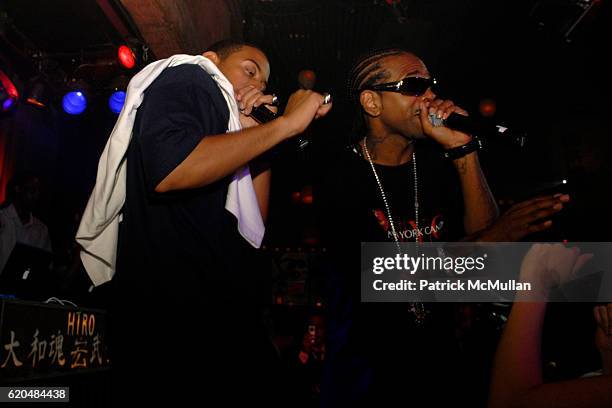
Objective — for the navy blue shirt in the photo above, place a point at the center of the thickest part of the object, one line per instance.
(185, 278)
(184, 315)
(180, 245)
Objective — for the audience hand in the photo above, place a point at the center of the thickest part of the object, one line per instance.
(524, 218)
(549, 265)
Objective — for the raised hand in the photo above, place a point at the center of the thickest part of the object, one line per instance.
(524, 218)
(302, 108)
(549, 265)
(446, 137)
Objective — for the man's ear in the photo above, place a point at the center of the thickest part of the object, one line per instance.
(213, 56)
(371, 103)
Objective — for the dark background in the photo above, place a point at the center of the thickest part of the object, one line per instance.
(547, 80)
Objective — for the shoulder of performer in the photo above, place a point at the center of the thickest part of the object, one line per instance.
(190, 75)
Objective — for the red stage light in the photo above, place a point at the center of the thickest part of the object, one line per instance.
(37, 94)
(296, 197)
(8, 93)
(126, 57)
(487, 107)
(33, 101)
(307, 79)
(307, 197)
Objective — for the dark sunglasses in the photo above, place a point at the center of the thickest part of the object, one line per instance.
(412, 86)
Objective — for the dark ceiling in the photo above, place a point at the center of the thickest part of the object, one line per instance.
(472, 46)
(476, 48)
(61, 25)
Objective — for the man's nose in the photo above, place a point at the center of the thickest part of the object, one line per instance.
(261, 85)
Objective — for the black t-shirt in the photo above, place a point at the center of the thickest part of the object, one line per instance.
(375, 347)
(358, 212)
(184, 274)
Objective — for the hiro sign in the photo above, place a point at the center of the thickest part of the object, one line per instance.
(39, 340)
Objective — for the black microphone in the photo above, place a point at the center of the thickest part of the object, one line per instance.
(263, 115)
(468, 125)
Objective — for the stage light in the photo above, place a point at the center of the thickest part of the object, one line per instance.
(296, 197)
(37, 93)
(116, 101)
(306, 194)
(8, 93)
(7, 104)
(307, 79)
(487, 107)
(126, 57)
(74, 101)
(118, 87)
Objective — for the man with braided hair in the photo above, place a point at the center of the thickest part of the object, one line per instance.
(395, 186)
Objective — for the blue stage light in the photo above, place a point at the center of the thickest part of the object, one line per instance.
(8, 104)
(116, 101)
(74, 103)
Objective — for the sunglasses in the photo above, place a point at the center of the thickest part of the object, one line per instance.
(411, 86)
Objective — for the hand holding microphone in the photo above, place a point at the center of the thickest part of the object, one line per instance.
(459, 121)
(433, 114)
(263, 114)
(303, 106)
(251, 98)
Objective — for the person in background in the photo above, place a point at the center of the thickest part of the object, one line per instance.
(17, 221)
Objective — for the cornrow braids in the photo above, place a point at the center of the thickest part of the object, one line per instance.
(367, 71)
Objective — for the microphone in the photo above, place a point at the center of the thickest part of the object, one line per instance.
(263, 115)
(468, 125)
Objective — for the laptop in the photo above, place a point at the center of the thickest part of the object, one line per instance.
(27, 273)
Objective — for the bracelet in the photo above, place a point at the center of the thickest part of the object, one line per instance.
(460, 151)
